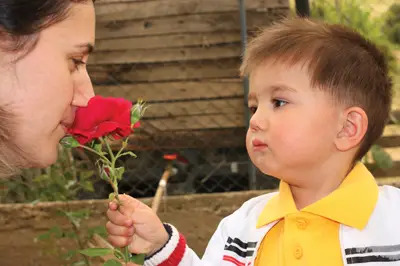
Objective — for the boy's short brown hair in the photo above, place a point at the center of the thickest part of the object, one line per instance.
(339, 60)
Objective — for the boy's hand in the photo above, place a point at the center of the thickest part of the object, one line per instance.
(135, 224)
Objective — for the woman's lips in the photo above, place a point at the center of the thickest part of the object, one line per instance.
(258, 145)
(66, 126)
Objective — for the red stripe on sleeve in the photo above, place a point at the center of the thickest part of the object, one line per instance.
(233, 260)
(175, 258)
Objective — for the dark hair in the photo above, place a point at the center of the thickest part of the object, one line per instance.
(22, 20)
(340, 61)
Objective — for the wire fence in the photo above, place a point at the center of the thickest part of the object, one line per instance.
(183, 60)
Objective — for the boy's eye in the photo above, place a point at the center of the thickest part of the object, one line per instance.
(278, 103)
(253, 109)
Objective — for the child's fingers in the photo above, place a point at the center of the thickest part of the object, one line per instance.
(129, 204)
(132, 264)
(119, 241)
(118, 218)
(118, 230)
(113, 206)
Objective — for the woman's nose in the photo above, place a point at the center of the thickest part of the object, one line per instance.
(83, 92)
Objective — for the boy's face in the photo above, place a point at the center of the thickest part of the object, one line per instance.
(293, 126)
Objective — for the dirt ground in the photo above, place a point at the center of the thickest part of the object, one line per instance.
(196, 216)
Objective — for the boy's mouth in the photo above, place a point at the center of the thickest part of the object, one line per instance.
(258, 144)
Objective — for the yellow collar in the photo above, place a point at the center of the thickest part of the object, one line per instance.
(352, 203)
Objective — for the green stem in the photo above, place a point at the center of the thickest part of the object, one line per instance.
(123, 147)
(113, 159)
(115, 188)
(127, 255)
(95, 152)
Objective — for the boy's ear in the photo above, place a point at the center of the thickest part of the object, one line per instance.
(354, 126)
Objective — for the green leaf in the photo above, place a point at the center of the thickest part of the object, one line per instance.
(100, 230)
(96, 252)
(138, 259)
(84, 175)
(44, 236)
(69, 142)
(41, 178)
(56, 232)
(98, 147)
(119, 172)
(111, 196)
(129, 153)
(112, 262)
(79, 263)
(88, 186)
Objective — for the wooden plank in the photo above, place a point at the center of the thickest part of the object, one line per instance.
(168, 41)
(166, 55)
(394, 153)
(390, 136)
(128, 10)
(202, 122)
(190, 70)
(187, 139)
(394, 171)
(193, 108)
(389, 181)
(172, 91)
(184, 24)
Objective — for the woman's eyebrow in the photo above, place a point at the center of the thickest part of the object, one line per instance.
(88, 47)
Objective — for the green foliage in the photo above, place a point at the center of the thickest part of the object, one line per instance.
(392, 23)
(76, 233)
(60, 182)
(95, 252)
(381, 157)
(357, 15)
(112, 262)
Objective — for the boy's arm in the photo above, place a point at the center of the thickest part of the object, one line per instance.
(135, 224)
(177, 252)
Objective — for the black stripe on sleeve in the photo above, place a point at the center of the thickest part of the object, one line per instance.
(377, 258)
(372, 249)
(241, 244)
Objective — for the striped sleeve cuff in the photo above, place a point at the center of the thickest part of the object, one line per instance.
(172, 253)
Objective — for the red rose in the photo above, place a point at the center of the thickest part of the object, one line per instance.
(102, 117)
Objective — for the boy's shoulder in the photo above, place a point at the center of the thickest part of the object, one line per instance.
(251, 208)
(389, 196)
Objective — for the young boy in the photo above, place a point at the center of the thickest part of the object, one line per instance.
(320, 96)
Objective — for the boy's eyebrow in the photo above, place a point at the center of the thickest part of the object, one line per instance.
(276, 88)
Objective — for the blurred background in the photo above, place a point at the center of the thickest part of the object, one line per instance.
(182, 58)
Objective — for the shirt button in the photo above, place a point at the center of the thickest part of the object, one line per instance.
(298, 252)
(301, 223)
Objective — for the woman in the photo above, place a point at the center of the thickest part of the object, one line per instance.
(44, 46)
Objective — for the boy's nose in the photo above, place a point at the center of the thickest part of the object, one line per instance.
(258, 121)
(254, 123)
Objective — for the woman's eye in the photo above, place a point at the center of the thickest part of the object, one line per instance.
(77, 63)
(252, 109)
(278, 103)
